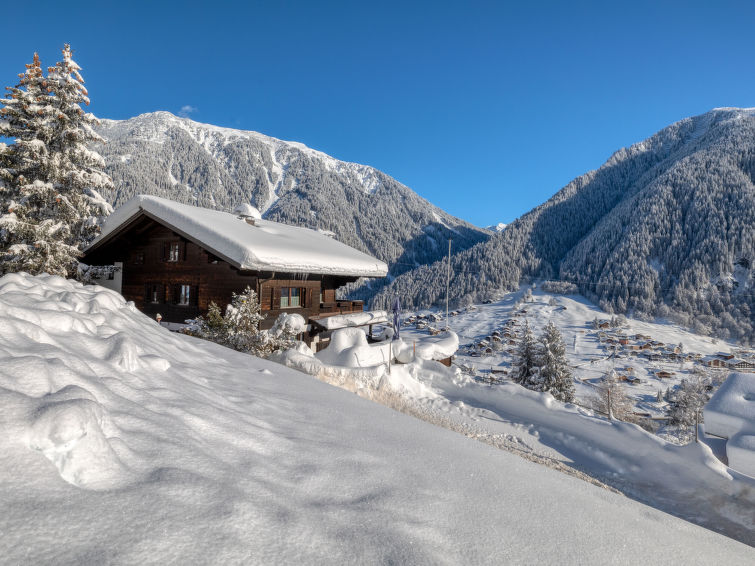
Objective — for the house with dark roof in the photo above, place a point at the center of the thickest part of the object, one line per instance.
(174, 259)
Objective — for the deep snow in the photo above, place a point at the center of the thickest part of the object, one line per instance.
(121, 442)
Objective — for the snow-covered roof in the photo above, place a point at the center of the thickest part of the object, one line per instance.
(263, 245)
(353, 319)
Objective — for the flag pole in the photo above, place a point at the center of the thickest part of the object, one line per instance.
(448, 283)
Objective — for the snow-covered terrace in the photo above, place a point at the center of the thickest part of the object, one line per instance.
(263, 245)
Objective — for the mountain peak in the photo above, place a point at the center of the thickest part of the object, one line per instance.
(168, 156)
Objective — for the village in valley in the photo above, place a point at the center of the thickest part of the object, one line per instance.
(647, 360)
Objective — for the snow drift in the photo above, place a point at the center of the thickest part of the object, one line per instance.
(123, 443)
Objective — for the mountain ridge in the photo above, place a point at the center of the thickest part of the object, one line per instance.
(683, 199)
(164, 155)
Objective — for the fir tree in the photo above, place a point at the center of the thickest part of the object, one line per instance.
(52, 207)
(555, 375)
(212, 326)
(525, 362)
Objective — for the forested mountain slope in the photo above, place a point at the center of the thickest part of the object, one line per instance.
(164, 155)
(666, 225)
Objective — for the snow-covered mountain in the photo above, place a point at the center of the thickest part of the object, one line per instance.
(497, 227)
(164, 155)
(664, 226)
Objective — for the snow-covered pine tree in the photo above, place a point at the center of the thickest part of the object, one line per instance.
(555, 375)
(25, 110)
(525, 359)
(51, 179)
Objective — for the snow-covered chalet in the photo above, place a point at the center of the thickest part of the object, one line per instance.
(174, 259)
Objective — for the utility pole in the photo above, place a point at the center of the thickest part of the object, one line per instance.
(697, 424)
(610, 413)
(448, 282)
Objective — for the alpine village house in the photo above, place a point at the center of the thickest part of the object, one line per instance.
(174, 259)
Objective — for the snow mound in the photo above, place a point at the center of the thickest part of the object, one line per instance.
(740, 450)
(438, 347)
(220, 457)
(732, 409)
(58, 340)
(67, 427)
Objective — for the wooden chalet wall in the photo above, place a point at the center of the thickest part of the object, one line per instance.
(148, 265)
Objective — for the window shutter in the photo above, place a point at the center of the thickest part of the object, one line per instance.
(183, 250)
(161, 293)
(164, 252)
(176, 294)
(276, 298)
(147, 297)
(194, 297)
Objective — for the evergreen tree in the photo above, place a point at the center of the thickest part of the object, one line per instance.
(212, 326)
(525, 361)
(51, 206)
(555, 375)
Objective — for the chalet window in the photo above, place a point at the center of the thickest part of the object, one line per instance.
(138, 258)
(155, 293)
(174, 250)
(292, 297)
(184, 296)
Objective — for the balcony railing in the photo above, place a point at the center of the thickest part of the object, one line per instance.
(341, 307)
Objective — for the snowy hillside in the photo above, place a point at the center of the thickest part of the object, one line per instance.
(124, 443)
(667, 224)
(163, 155)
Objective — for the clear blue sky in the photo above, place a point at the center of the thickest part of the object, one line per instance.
(484, 108)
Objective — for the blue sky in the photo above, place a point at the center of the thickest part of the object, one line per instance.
(484, 108)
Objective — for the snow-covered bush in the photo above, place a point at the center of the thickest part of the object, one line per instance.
(612, 400)
(286, 330)
(687, 401)
(239, 327)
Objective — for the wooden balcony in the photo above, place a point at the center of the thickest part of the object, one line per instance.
(341, 307)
